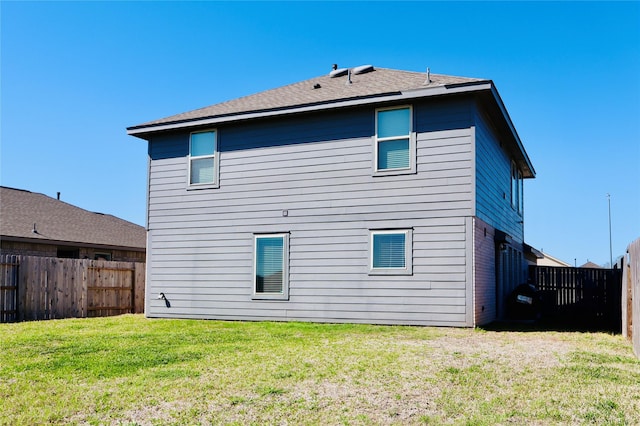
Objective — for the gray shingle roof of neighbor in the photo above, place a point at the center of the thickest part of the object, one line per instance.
(59, 222)
(380, 81)
(592, 265)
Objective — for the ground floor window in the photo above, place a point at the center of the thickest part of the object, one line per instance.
(68, 253)
(102, 256)
(391, 252)
(271, 265)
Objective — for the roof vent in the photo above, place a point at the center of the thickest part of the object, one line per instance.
(338, 72)
(363, 69)
(428, 80)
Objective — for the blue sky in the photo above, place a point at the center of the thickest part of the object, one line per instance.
(74, 75)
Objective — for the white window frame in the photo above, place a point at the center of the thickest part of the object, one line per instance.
(216, 162)
(284, 295)
(408, 252)
(412, 144)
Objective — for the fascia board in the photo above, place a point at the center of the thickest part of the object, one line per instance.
(69, 243)
(389, 97)
(512, 128)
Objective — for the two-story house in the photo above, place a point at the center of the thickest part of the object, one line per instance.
(364, 195)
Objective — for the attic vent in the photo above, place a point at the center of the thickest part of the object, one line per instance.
(338, 72)
(363, 69)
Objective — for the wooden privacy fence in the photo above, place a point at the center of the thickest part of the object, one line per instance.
(631, 295)
(40, 288)
(579, 297)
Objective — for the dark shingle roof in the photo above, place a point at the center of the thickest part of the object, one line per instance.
(323, 92)
(592, 265)
(379, 82)
(57, 221)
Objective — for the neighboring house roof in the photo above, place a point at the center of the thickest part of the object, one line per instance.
(532, 254)
(32, 217)
(548, 260)
(325, 92)
(592, 265)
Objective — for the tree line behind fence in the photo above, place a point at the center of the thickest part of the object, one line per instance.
(40, 288)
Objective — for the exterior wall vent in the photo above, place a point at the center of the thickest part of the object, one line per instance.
(363, 69)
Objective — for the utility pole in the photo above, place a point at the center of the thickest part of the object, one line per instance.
(610, 243)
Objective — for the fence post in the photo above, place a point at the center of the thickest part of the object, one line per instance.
(140, 271)
(84, 296)
(633, 251)
(627, 307)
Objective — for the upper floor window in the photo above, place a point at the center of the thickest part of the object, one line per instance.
(203, 158)
(517, 201)
(520, 192)
(394, 141)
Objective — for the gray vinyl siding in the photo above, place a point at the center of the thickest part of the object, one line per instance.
(493, 207)
(317, 167)
(493, 182)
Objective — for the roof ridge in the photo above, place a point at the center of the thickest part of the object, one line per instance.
(15, 189)
(50, 198)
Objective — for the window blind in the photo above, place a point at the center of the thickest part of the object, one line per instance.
(393, 154)
(269, 264)
(202, 170)
(389, 250)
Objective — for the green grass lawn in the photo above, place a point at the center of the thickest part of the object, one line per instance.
(133, 371)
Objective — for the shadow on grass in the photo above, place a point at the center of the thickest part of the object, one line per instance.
(559, 324)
